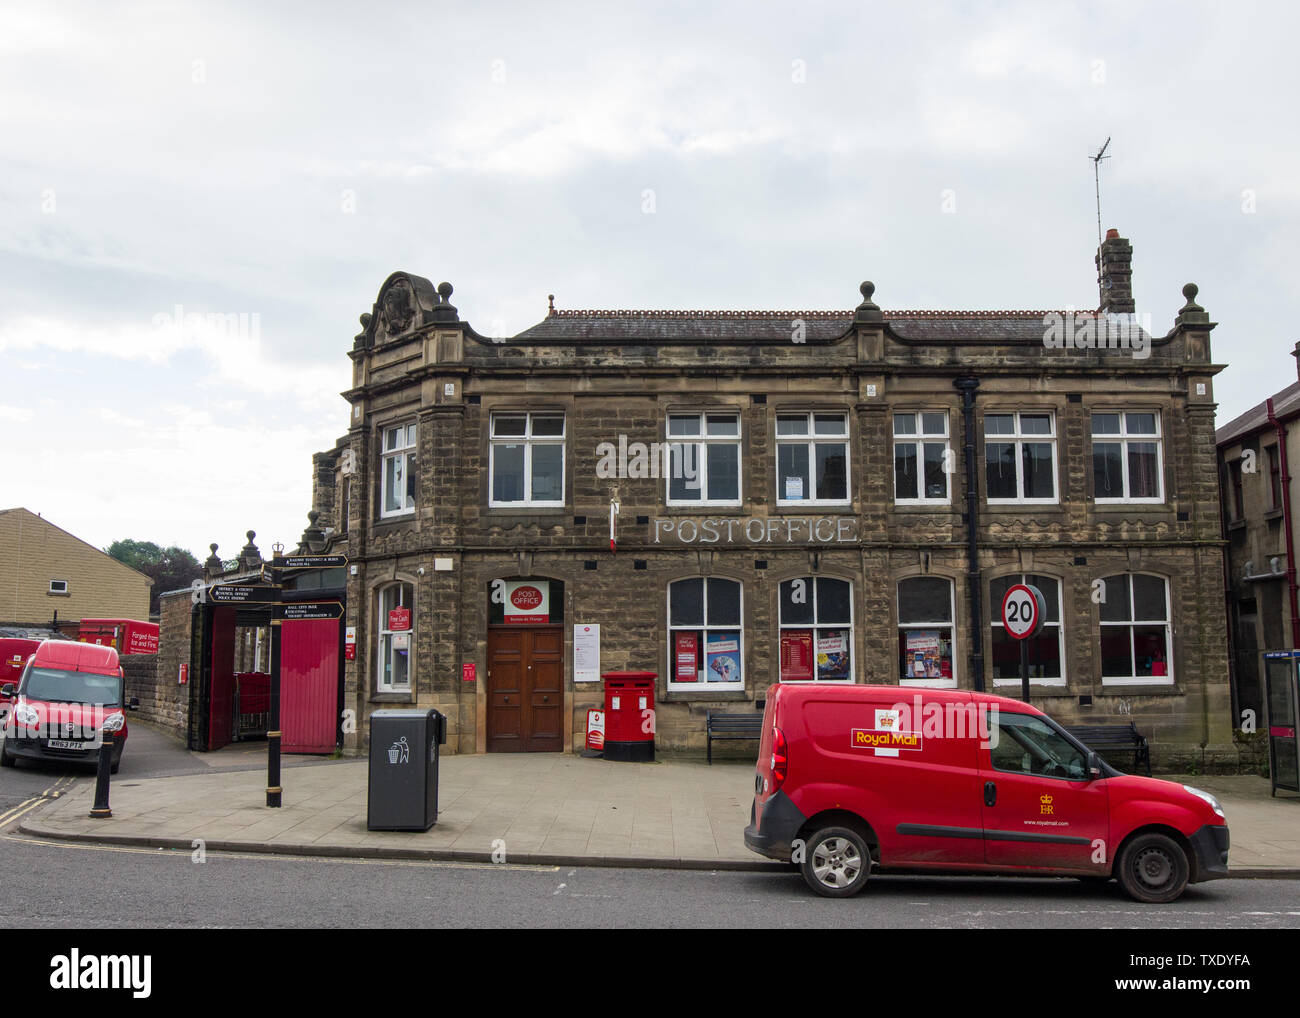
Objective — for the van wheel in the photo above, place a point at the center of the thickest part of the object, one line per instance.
(836, 862)
(1152, 868)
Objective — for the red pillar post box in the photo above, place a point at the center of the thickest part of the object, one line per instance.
(629, 715)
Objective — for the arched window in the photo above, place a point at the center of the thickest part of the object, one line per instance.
(705, 634)
(396, 628)
(816, 630)
(1046, 650)
(1135, 641)
(926, 645)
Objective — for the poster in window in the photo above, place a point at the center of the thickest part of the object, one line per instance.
(723, 657)
(833, 655)
(686, 657)
(925, 659)
(796, 655)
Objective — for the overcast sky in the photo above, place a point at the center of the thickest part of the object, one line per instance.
(280, 160)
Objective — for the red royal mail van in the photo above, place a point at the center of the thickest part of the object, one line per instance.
(949, 781)
(68, 694)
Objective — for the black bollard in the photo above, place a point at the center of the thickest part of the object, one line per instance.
(100, 810)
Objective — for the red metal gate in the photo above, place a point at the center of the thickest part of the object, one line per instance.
(309, 685)
(221, 678)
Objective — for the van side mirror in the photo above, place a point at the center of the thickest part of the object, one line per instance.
(1094, 764)
(8, 689)
(134, 703)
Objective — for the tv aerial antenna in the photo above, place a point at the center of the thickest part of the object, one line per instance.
(1096, 180)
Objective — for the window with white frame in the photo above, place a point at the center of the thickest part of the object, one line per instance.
(1135, 634)
(396, 638)
(527, 459)
(812, 458)
(816, 630)
(705, 634)
(921, 457)
(1046, 649)
(1126, 463)
(704, 458)
(58, 586)
(926, 644)
(1020, 457)
(397, 471)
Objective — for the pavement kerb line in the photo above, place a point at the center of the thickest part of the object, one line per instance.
(514, 859)
(419, 854)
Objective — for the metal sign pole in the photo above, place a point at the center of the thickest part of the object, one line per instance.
(1024, 670)
(273, 789)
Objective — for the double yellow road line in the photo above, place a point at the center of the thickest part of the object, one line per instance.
(27, 805)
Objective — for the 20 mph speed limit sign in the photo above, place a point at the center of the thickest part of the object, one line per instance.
(1023, 610)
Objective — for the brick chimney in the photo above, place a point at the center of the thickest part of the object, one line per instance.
(1115, 274)
(1295, 352)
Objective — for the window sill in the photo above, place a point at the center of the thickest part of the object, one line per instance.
(1274, 514)
(799, 507)
(1237, 525)
(1143, 686)
(923, 507)
(524, 509)
(394, 697)
(704, 693)
(58, 593)
(1120, 504)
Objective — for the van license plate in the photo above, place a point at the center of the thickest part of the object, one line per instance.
(65, 744)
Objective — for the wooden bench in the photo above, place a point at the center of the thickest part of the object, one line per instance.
(1126, 737)
(721, 725)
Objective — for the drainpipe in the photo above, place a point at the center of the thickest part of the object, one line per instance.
(967, 386)
(1286, 522)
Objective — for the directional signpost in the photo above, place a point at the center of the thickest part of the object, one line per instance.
(229, 593)
(1023, 611)
(291, 611)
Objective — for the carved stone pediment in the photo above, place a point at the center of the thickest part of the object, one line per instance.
(406, 304)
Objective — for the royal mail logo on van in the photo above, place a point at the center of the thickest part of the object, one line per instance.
(884, 738)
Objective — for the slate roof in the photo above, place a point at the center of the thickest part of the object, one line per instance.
(1285, 402)
(670, 327)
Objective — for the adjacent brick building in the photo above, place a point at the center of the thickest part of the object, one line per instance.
(45, 570)
(1255, 453)
(834, 496)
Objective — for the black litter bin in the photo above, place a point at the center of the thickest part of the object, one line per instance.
(404, 769)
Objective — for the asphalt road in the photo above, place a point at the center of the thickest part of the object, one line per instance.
(154, 888)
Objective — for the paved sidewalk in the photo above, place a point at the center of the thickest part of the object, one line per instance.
(538, 808)
(541, 808)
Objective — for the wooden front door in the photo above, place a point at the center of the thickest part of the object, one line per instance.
(525, 690)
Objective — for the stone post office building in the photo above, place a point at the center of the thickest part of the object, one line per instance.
(792, 495)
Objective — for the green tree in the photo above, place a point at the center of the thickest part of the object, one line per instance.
(169, 568)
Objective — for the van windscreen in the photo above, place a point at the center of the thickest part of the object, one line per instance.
(54, 684)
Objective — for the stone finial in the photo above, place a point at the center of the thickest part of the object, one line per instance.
(212, 564)
(313, 537)
(360, 339)
(1192, 313)
(444, 310)
(249, 556)
(868, 310)
(550, 304)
